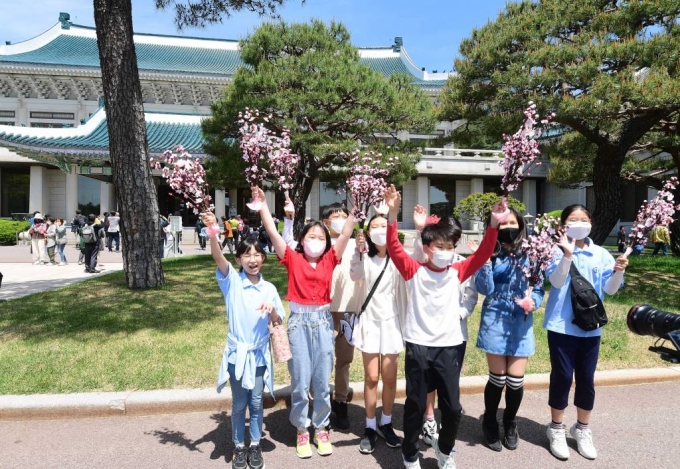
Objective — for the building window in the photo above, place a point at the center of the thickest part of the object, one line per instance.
(632, 197)
(442, 196)
(16, 188)
(10, 123)
(51, 125)
(331, 193)
(89, 195)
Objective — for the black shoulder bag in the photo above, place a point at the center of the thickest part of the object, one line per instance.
(350, 320)
(589, 312)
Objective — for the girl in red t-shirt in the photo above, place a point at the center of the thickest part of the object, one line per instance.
(310, 325)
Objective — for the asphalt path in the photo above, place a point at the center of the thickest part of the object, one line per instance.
(633, 426)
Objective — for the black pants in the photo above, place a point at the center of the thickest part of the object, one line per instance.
(572, 358)
(88, 251)
(431, 368)
(112, 237)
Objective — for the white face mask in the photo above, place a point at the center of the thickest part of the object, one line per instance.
(442, 259)
(378, 236)
(314, 247)
(337, 224)
(578, 229)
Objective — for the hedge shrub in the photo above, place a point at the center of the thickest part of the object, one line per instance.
(9, 230)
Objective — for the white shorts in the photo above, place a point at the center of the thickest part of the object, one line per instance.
(383, 337)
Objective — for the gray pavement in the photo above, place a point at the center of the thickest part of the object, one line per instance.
(633, 426)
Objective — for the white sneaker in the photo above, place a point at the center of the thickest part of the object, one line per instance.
(444, 461)
(429, 432)
(62, 263)
(412, 465)
(558, 442)
(584, 440)
(37, 263)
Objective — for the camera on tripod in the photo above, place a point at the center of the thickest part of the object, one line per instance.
(647, 320)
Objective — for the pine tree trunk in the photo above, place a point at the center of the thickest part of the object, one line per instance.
(299, 197)
(607, 189)
(128, 149)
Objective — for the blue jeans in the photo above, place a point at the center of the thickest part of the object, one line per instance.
(312, 344)
(242, 398)
(60, 250)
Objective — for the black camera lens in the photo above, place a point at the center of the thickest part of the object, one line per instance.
(646, 320)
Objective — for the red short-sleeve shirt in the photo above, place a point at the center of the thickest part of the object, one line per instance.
(308, 285)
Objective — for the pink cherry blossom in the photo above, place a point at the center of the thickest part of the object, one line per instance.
(659, 211)
(366, 182)
(186, 177)
(521, 149)
(265, 152)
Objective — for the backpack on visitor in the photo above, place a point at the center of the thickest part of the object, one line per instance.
(88, 235)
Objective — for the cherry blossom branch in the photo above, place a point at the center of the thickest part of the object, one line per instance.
(366, 182)
(521, 149)
(659, 211)
(186, 177)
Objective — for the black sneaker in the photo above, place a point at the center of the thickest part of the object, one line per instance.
(239, 460)
(387, 433)
(368, 442)
(491, 436)
(341, 416)
(511, 435)
(255, 457)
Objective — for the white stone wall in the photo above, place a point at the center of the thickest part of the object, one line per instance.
(556, 198)
(409, 196)
(56, 193)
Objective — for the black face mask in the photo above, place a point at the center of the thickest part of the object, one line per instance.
(508, 235)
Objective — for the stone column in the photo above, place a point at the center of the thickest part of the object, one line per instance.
(38, 190)
(476, 185)
(529, 196)
(423, 192)
(270, 197)
(71, 193)
(219, 203)
(104, 202)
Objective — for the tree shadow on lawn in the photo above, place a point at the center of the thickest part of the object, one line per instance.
(104, 305)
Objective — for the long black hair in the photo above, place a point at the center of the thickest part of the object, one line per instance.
(299, 248)
(372, 250)
(245, 246)
(521, 235)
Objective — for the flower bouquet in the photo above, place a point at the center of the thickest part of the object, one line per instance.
(521, 149)
(186, 177)
(659, 211)
(539, 249)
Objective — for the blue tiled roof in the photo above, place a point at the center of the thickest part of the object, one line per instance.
(76, 51)
(81, 52)
(161, 136)
(391, 65)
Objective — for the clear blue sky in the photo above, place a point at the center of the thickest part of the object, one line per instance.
(431, 29)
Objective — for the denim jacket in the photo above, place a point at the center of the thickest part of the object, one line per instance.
(505, 329)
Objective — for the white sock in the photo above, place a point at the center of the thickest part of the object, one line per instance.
(370, 423)
(240, 445)
(385, 419)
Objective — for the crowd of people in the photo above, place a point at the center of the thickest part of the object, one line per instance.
(371, 294)
(92, 233)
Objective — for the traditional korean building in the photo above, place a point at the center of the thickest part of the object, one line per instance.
(54, 141)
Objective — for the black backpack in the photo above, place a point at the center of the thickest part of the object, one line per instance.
(589, 313)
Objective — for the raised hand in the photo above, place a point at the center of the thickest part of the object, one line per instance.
(361, 241)
(289, 209)
(258, 194)
(568, 246)
(499, 212)
(392, 199)
(621, 263)
(209, 218)
(419, 217)
(472, 245)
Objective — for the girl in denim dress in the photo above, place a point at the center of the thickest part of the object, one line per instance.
(506, 331)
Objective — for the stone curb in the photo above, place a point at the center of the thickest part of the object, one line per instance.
(107, 404)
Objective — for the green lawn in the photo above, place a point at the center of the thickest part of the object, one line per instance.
(100, 336)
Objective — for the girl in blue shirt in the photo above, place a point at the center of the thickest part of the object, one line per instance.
(506, 330)
(246, 363)
(573, 351)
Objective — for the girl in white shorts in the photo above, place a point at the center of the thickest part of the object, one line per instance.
(378, 333)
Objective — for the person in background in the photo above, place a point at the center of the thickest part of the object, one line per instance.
(621, 238)
(61, 240)
(234, 230)
(51, 240)
(90, 243)
(113, 231)
(661, 238)
(228, 233)
(573, 351)
(38, 233)
(199, 229)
